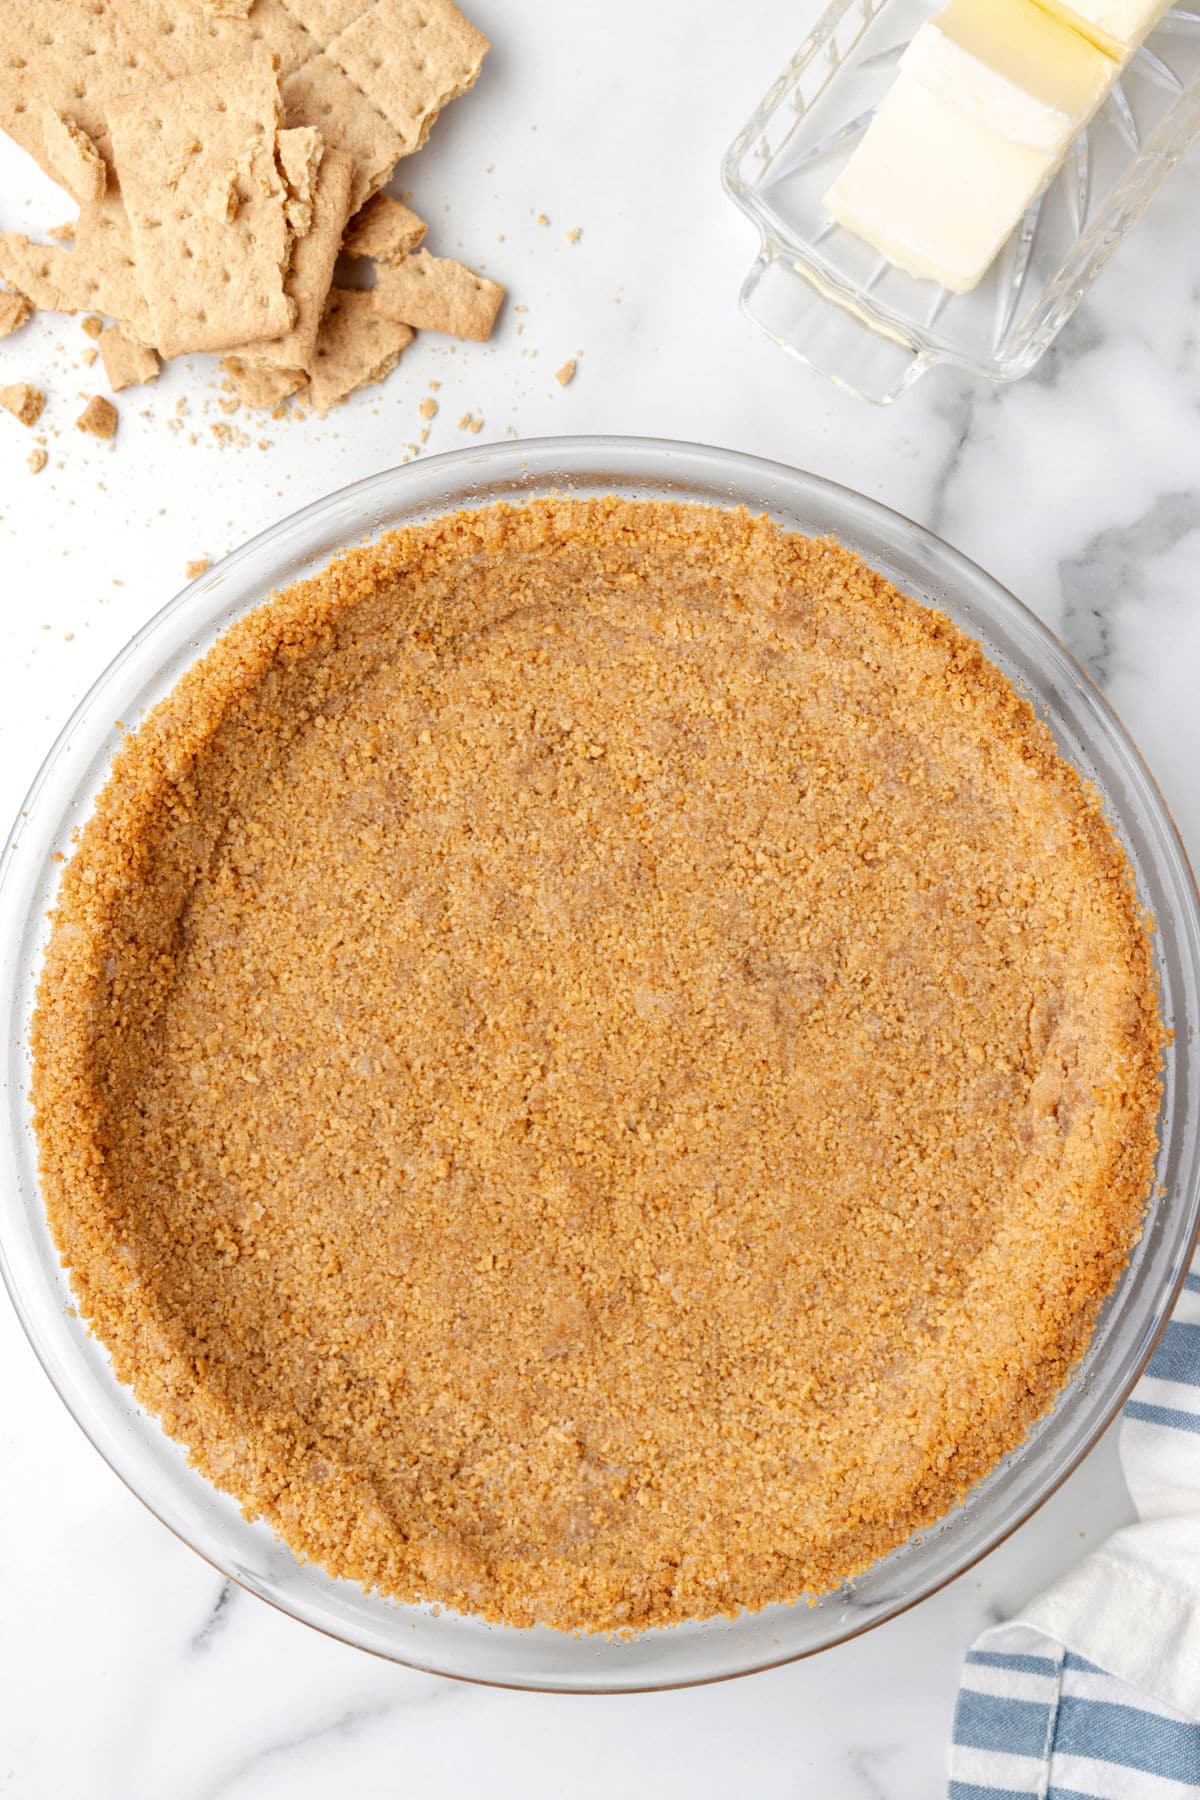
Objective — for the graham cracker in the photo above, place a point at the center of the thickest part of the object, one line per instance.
(185, 38)
(411, 57)
(313, 258)
(72, 155)
(196, 161)
(126, 362)
(62, 53)
(436, 294)
(14, 310)
(427, 63)
(98, 275)
(99, 417)
(385, 229)
(299, 154)
(325, 18)
(355, 346)
(257, 384)
(319, 93)
(23, 401)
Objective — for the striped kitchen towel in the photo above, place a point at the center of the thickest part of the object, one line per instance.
(1094, 1693)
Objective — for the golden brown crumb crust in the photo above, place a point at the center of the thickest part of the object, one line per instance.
(595, 1065)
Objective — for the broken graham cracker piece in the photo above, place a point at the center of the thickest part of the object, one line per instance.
(434, 293)
(356, 346)
(185, 150)
(14, 310)
(99, 417)
(385, 230)
(258, 384)
(98, 275)
(23, 401)
(311, 274)
(126, 362)
(72, 155)
(409, 57)
(322, 94)
(299, 151)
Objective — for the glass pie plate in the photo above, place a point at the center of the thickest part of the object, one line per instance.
(838, 305)
(156, 1469)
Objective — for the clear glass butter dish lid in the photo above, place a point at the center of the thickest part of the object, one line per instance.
(838, 305)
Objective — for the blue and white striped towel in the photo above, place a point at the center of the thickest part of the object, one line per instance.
(1094, 1694)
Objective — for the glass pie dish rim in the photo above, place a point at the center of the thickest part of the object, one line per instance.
(133, 1443)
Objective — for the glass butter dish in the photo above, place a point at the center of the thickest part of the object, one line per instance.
(835, 303)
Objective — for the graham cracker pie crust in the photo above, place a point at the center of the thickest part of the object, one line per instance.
(595, 1065)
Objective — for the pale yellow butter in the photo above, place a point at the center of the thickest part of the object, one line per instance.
(1013, 67)
(932, 189)
(1114, 26)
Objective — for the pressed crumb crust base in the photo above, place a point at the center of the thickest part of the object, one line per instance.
(594, 1064)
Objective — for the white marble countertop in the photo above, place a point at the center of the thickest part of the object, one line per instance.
(126, 1667)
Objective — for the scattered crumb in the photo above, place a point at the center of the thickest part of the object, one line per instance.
(87, 357)
(37, 459)
(567, 373)
(434, 386)
(573, 236)
(476, 424)
(542, 219)
(23, 401)
(464, 424)
(99, 417)
(200, 565)
(424, 434)
(428, 409)
(93, 326)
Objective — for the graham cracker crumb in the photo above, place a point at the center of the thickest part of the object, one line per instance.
(573, 236)
(99, 417)
(428, 409)
(37, 459)
(566, 374)
(23, 401)
(199, 565)
(14, 311)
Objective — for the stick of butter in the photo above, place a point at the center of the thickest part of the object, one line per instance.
(1014, 67)
(988, 97)
(1115, 26)
(934, 190)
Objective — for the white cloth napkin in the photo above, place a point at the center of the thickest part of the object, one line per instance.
(1094, 1693)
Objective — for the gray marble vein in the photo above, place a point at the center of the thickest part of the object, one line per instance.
(1111, 564)
(217, 1618)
